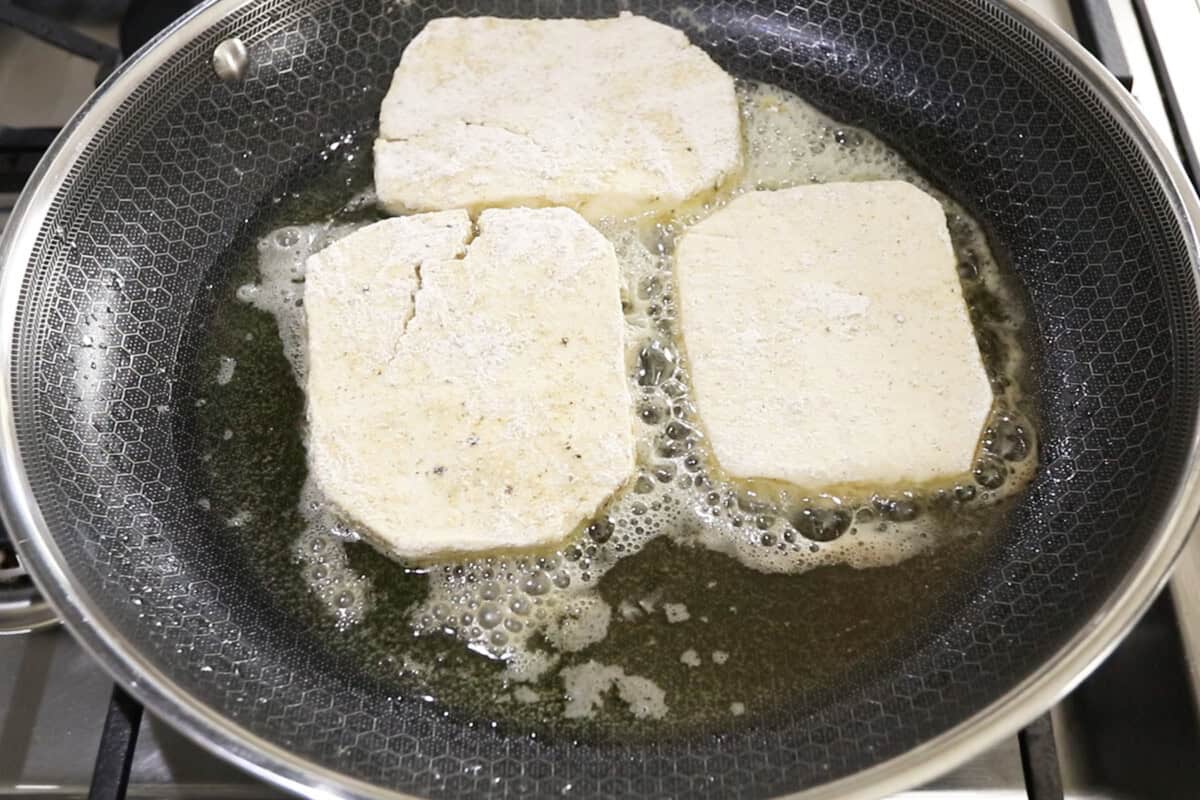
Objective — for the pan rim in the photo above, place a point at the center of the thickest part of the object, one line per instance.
(1056, 676)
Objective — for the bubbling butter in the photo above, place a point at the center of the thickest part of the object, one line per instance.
(527, 609)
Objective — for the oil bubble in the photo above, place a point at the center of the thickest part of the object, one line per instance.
(649, 413)
(822, 524)
(601, 530)
(990, 473)
(489, 616)
(656, 363)
(537, 584)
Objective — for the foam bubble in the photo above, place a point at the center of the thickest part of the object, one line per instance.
(280, 288)
(676, 612)
(587, 684)
(320, 551)
(225, 370)
(523, 694)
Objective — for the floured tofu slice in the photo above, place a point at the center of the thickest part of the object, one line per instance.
(611, 117)
(467, 391)
(828, 337)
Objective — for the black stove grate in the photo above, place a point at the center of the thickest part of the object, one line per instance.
(62, 36)
(110, 778)
(21, 148)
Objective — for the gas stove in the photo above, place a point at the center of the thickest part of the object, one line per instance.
(1130, 730)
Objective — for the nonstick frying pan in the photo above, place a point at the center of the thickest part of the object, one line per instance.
(131, 217)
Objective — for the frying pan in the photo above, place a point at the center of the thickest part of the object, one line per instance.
(132, 216)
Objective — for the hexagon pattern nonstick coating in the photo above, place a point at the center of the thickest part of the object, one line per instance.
(167, 184)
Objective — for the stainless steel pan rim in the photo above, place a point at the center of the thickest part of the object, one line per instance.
(168, 700)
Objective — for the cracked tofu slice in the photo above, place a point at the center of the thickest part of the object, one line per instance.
(828, 338)
(467, 391)
(610, 117)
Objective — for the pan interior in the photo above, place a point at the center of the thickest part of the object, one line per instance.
(727, 643)
(121, 294)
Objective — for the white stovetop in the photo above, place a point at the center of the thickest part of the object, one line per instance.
(1057, 11)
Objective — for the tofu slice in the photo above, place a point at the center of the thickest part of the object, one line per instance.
(610, 117)
(828, 337)
(467, 392)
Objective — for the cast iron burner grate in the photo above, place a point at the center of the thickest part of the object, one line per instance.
(22, 609)
(12, 574)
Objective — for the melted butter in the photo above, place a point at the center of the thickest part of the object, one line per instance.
(533, 612)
